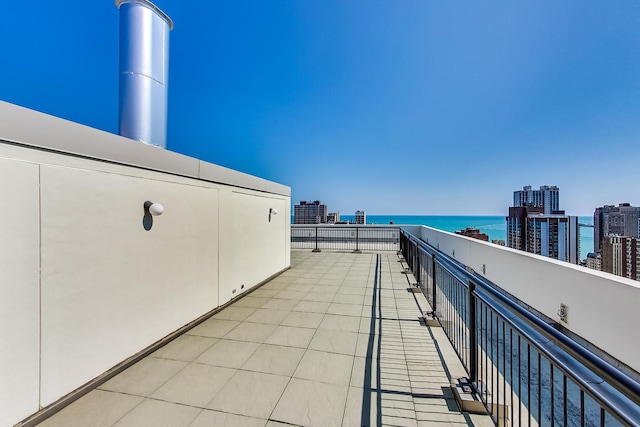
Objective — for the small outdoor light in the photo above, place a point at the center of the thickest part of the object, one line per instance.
(154, 209)
(272, 211)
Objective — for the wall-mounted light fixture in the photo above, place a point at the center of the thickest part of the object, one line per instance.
(272, 211)
(154, 209)
(150, 210)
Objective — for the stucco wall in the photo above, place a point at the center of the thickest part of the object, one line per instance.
(19, 290)
(84, 285)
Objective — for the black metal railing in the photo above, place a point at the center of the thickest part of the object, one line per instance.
(525, 371)
(345, 237)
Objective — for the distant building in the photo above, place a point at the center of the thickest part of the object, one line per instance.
(310, 213)
(473, 233)
(594, 261)
(361, 217)
(499, 242)
(609, 220)
(536, 224)
(333, 218)
(554, 236)
(547, 197)
(517, 226)
(620, 256)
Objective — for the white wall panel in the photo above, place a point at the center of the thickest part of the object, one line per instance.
(19, 290)
(109, 287)
(255, 248)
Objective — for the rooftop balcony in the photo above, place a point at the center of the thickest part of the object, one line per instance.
(334, 341)
(205, 315)
(360, 337)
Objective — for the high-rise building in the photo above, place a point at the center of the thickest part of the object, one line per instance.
(517, 226)
(620, 256)
(536, 225)
(311, 212)
(621, 220)
(333, 217)
(547, 197)
(361, 217)
(554, 236)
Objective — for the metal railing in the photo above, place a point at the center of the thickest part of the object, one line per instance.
(525, 371)
(345, 237)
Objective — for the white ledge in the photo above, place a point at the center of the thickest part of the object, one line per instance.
(23, 126)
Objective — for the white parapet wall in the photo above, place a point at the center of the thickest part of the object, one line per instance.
(602, 308)
(86, 280)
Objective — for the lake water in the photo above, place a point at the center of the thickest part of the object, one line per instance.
(494, 226)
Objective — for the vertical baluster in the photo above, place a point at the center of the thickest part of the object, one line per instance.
(564, 400)
(529, 384)
(581, 407)
(511, 370)
(552, 394)
(539, 389)
(504, 375)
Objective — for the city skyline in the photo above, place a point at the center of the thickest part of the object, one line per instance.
(423, 109)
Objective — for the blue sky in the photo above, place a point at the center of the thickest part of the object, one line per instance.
(394, 107)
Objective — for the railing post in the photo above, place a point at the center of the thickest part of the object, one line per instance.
(416, 274)
(316, 249)
(357, 251)
(473, 331)
(433, 284)
(410, 260)
(407, 248)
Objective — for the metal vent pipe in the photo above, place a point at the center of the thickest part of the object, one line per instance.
(144, 69)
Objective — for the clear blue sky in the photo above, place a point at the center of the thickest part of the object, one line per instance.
(394, 107)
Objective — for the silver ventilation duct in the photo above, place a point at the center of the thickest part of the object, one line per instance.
(144, 69)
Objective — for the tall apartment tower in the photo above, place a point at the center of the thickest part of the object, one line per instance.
(361, 217)
(536, 225)
(609, 220)
(311, 212)
(547, 197)
(621, 256)
(555, 235)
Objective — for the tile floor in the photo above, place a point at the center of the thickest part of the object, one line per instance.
(334, 341)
